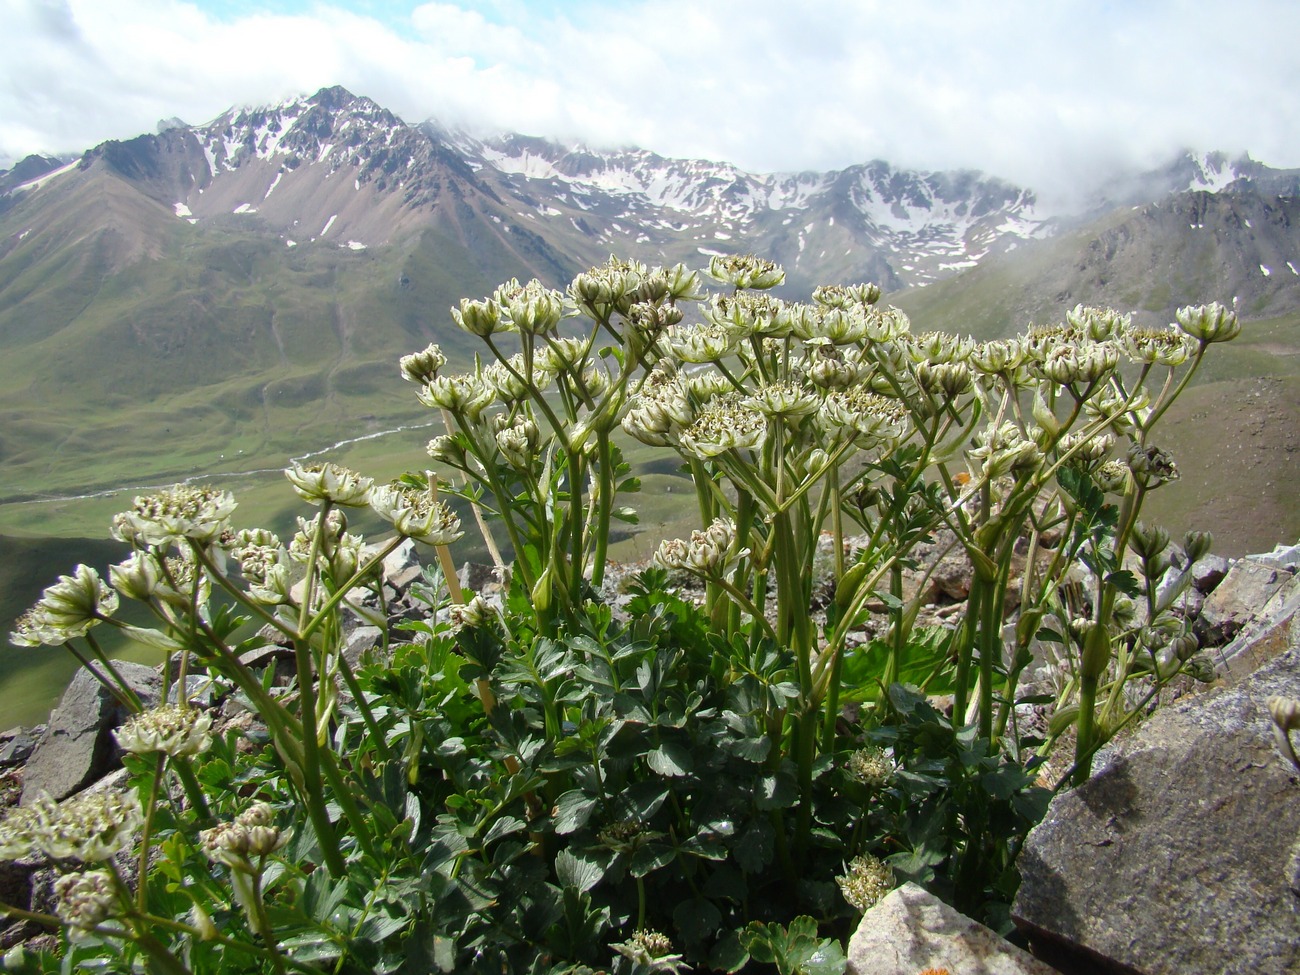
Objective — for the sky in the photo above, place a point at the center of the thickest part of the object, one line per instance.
(1049, 94)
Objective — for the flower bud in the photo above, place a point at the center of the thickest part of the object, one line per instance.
(1197, 545)
(1148, 542)
(1151, 466)
(421, 367)
(481, 318)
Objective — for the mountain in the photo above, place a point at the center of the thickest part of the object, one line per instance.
(1191, 172)
(1240, 244)
(242, 288)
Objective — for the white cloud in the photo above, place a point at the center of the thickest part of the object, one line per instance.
(1038, 93)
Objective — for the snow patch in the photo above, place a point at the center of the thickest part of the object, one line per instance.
(244, 208)
(182, 210)
(1264, 270)
(719, 235)
(290, 243)
(1293, 270)
(274, 183)
(707, 252)
(354, 245)
(328, 223)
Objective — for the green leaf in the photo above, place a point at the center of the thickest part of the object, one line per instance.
(753, 851)
(572, 810)
(650, 857)
(697, 920)
(776, 791)
(502, 827)
(672, 759)
(729, 955)
(754, 749)
(828, 959)
(1126, 582)
(578, 871)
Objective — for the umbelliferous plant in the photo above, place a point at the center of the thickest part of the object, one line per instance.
(535, 784)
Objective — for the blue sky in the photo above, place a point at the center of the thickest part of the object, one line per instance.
(1044, 94)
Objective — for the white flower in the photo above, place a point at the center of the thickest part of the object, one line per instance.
(867, 882)
(1208, 323)
(66, 610)
(532, 308)
(171, 729)
(745, 271)
(421, 367)
(410, 510)
(708, 553)
(84, 900)
(90, 827)
(316, 483)
(481, 318)
(466, 396)
(183, 511)
(724, 425)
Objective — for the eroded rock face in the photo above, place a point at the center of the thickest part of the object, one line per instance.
(1182, 853)
(911, 931)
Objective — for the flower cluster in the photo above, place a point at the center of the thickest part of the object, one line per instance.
(66, 610)
(175, 730)
(85, 900)
(317, 483)
(866, 882)
(180, 512)
(413, 513)
(871, 766)
(652, 951)
(252, 834)
(89, 827)
(708, 553)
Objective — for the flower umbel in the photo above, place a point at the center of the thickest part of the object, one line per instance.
(868, 880)
(184, 511)
(84, 900)
(415, 514)
(171, 729)
(89, 827)
(652, 950)
(67, 609)
(316, 483)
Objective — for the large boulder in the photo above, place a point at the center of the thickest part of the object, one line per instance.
(911, 931)
(1182, 853)
(78, 746)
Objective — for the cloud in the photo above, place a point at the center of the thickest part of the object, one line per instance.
(1041, 94)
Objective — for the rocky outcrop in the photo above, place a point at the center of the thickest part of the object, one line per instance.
(911, 931)
(1182, 853)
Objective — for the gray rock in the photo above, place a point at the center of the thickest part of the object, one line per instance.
(1176, 857)
(360, 640)
(78, 747)
(1248, 586)
(1274, 629)
(478, 577)
(1282, 556)
(910, 931)
(1208, 572)
(400, 559)
(17, 749)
